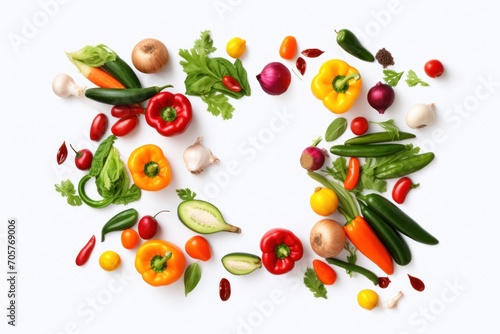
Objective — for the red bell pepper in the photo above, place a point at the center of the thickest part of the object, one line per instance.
(170, 114)
(280, 250)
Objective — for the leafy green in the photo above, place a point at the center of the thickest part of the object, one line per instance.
(312, 282)
(352, 257)
(67, 189)
(390, 127)
(205, 73)
(412, 79)
(192, 276)
(185, 194)
(336, 129)
(338, 170)
(392, 77)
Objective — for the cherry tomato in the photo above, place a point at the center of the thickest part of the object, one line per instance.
(368, 299)
(288, 47)
(148, 226)
(124, 125)
(359, 125)
(126, 110)
(324, 201)
(98, 127)
(110, 260)
(130, 238)
(198, 248)
(83, 158)
(402, 188)
(434, 68)
(326, 274)
(231, 83)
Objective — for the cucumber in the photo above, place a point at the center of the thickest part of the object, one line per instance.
(367, 150)
(203, 217)
(241, 263)
(123, 96)
(123, 72)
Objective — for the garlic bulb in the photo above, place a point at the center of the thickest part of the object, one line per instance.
(421, 115)
(197, 157)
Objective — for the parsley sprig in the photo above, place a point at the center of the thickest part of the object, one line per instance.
(312, 282)
(67, 189)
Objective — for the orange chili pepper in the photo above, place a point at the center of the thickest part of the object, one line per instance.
(364, 238)
(352, 176)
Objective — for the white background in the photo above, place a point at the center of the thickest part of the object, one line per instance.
(259, 184)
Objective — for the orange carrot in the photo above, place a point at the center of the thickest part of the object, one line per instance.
(97, 75)
(364, 238)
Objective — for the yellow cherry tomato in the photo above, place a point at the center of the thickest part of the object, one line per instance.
(367, 299)
(236, 47)
(109, 260)
(324, 201)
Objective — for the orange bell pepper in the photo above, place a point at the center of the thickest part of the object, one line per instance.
(150, 168)
(160, 262)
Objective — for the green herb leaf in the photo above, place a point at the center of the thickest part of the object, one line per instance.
(218, 104)
(412, 79)
(392, 77)
(338, 170)
(192, 276)
(390, 127)
(352, 257)
(67, 189)
(336, 129)
(185, 194)
(312, 282)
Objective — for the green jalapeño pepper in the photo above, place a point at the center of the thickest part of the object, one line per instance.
(170, 114)
(351, 44)
(280, 250)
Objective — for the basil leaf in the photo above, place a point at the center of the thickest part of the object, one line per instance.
(192, 276)
(336, 129)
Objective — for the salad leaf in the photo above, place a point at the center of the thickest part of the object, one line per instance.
(390, 127)
(67, 189)
(412, 79)
(314, 284)
(336, 129)
(392, 77)
(192, 276)
(186, 194)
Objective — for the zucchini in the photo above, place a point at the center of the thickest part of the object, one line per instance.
(122, 72)
(123, 96)
(368, 150)
(378, 137)
(203, 217)
(241, 263)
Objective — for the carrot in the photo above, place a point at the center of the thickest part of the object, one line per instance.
(364, 238)
(97, 75)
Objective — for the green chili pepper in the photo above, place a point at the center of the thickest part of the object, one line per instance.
(123, 96)
(403, 167)
(376, 150)
(397, 218)
(121, 221)
(354, 268)
(378, 137)
(392, 240)
(351, 44)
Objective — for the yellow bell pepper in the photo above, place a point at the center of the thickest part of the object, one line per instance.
(150, 168)
(160, 262)
(337, 84)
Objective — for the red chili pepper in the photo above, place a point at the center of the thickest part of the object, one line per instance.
(352, 177)
(62, 153)
(125, 125)
(312, 53)
(84, 254)
(126, 110)
(224, 289)
(301, 65)
(402, 188)
(170, 114)
(231, 83)
(281, 249)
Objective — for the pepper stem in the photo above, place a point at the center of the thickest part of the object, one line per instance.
(341, 83)
(159, 264)
(169, 114)
(282, 251)
(152, 169)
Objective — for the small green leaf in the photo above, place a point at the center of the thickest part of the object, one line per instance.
(412, 79)
(185, 194)
(312, 282)
(336, 129)
(392, 77)
(390, 127)
(192, 276)
(67, 189)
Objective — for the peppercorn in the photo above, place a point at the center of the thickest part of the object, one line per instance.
(384, 57)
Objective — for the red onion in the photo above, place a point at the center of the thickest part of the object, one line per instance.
(275, 78)
(313, 158)
(380, 97)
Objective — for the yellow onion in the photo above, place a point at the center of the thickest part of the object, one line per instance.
(327, 238)
(149, 55)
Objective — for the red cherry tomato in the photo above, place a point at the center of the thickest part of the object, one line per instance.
(148, 226)
(402, 188)
(124, 125)
(359, 126)
(83, 158)
(231, 83)
(98, 127)
(122, 111)
(434, 68)
(198, 248)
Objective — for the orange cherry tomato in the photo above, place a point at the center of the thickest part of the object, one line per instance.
(130, 238)
(198, 248)
(288, 48)
(325, 272)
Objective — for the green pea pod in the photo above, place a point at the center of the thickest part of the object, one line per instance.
(392, 240)
(351, 44)
(123, 96)
(403, 167)
(378, 137)
(398, 219)
(121, 221)
(375, 150)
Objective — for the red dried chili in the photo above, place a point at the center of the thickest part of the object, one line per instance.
(301, 65)
(62, 153)
(312, 53)
(416, 283)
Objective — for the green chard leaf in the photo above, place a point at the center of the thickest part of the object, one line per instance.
(192, 276)
(392, 77)
(314, 285)
(67, 189)
(412, 79)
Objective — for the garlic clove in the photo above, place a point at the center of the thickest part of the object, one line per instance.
(197, 157)
(393, 303)
(421, 115)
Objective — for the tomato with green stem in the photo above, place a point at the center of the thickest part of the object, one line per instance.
(434, 68)
(83, 158)
(198, 248)
(325, 273)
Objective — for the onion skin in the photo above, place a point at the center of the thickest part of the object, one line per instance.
(327, 238)
(381, 97)
(150, 56)
(274, 78)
